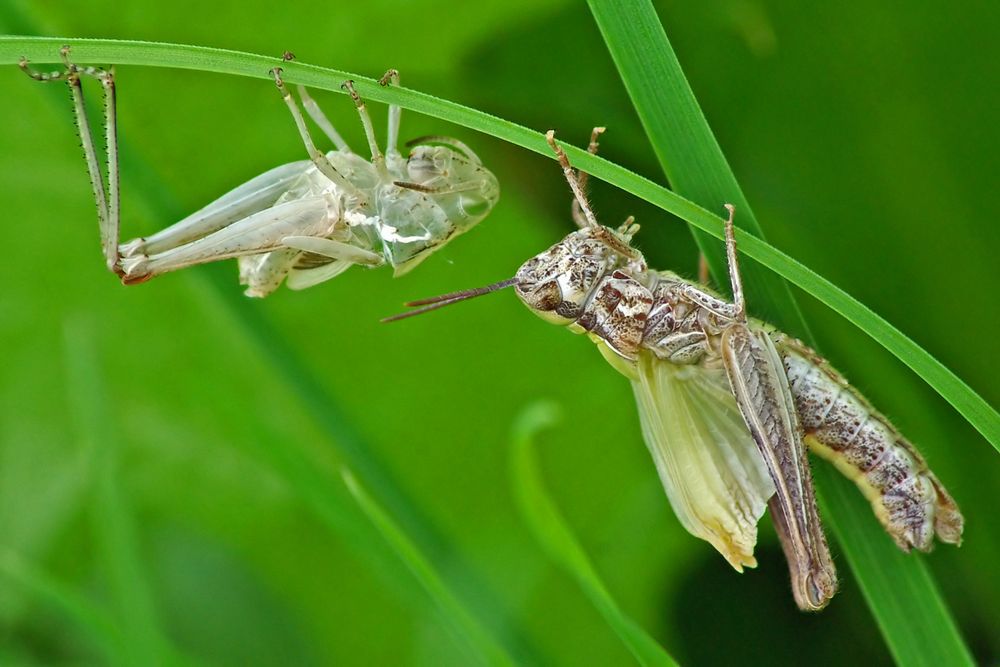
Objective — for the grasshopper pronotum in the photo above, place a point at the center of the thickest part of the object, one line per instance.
(304, 222)
(727, 403)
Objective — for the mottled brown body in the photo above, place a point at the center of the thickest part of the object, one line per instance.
(629, 307)
(842, 427)
(727, 405)
(591, 287)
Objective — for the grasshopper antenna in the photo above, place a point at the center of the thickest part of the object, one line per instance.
(440, 301)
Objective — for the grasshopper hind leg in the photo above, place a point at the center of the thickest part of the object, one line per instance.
(107, 199)
(763, 393)
(257, 194)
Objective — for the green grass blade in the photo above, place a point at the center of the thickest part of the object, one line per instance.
(697, 169)
(970, 405)
(555, 536)
(114, 528)
(684, 143)
(914, 621)
(95, 623)
(463, 625)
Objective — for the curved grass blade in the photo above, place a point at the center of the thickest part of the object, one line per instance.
(684, 144)
(970, 405)
(899, 590)
(114, 529)
(95, 622)
(555, 536)
(462, 624)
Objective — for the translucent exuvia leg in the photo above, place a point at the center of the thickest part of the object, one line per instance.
(108, 208)
(299, 279)
(391, 78)
(318, 157)
(333, 250)
(316, 113)
(366, 120)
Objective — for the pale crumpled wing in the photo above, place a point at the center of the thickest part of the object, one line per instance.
(713, 474)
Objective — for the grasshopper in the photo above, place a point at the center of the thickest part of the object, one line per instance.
(727, 404)
(304, 222)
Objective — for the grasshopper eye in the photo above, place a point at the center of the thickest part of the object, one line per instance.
(427, 163)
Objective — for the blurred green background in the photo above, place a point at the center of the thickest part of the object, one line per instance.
(865, 137)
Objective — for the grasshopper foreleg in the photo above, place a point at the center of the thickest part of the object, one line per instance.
(378, 160)
(316, 113)
(391, 78)
(582, 177)
(317, 156)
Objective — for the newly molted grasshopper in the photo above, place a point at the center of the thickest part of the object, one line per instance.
(728, 403)
(304, 222)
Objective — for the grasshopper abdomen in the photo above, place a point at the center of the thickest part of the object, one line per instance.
(842, 427)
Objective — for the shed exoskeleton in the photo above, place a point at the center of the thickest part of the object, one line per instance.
(304, 222)
(727, 403)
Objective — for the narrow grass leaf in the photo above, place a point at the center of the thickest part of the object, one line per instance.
(913, 619)
(911, 615)
(969, 404)
(555, 536)
(683, 142)
(113, 524)
(464, 626)
(94, 622)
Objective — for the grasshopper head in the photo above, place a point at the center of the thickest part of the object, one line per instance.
(557, 283)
